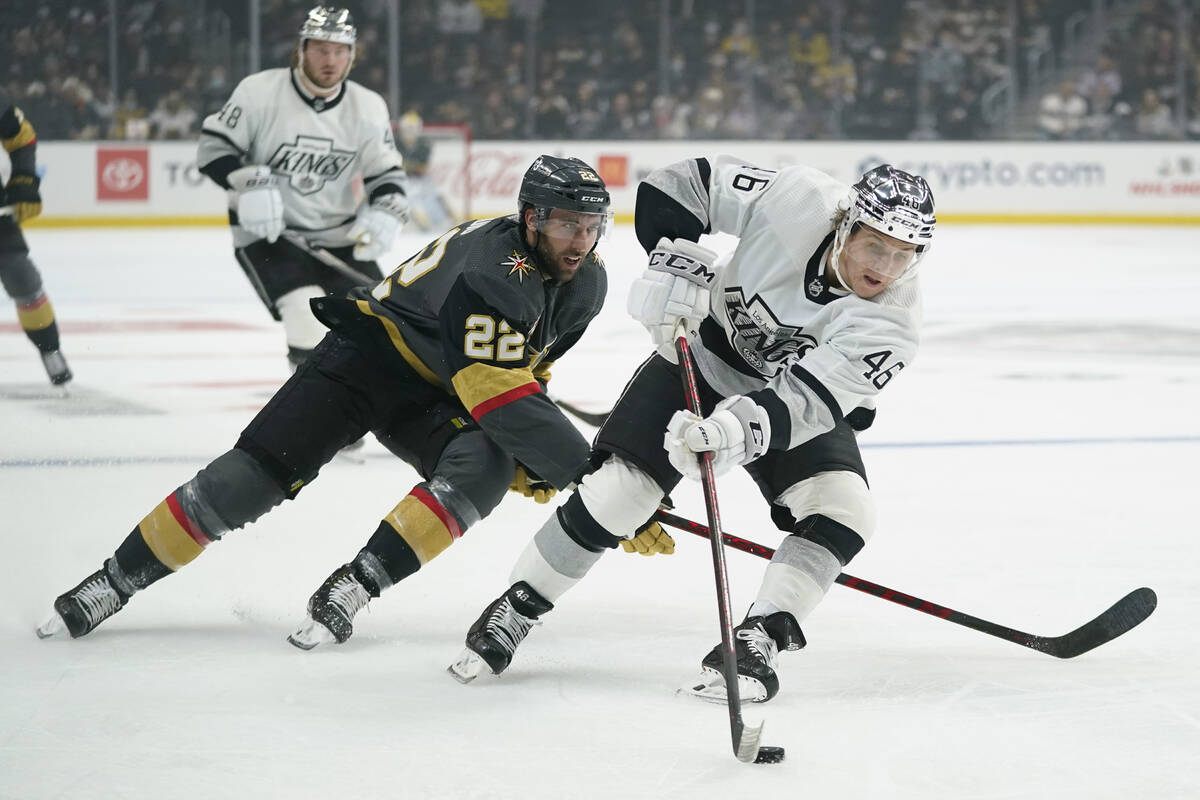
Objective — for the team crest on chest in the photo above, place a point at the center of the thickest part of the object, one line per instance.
(518, 265)
(310, 162)
(758, 335)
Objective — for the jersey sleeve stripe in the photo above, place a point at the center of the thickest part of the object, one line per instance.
(483, 388)
(218, 135)
(810, 380)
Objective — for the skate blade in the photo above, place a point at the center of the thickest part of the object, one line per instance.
(310, 634)
(468, 666)
(52, 627)
(710, 687)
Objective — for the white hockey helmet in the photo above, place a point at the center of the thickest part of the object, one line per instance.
(896, 203)
(329, 24)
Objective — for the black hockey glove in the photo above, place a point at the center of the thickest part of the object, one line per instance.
(22, 194)
(530, 485)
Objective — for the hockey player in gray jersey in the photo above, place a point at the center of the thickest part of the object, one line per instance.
(290, 146)
(446, 361)
(794, 334)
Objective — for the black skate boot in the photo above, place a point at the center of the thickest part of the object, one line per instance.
(80, 610)
(56, 367)
(498, 632)
(332, 607)
(757, 642)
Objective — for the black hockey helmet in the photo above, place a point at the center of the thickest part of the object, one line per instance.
(566, 183)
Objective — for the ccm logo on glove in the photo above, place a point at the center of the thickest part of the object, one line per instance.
(682, 265)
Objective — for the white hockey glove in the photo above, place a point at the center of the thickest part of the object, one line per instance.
(377, 225)
(259, 204)
(736, 432)
(675, 286)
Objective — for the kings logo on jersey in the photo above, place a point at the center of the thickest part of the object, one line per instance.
(759, 337)
(310, 162)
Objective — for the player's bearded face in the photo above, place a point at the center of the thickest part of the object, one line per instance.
(871, 261)
(326, 63)
(566, 239)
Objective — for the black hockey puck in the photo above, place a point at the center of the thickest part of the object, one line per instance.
(769, 755)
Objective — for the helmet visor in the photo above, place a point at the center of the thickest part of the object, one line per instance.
(877, 252)
(564, 226)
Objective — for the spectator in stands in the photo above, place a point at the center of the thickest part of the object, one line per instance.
(173, 119)
(1061, 113)
(1153, 118)
(1101, 84)
(130, 120)
(458, 18)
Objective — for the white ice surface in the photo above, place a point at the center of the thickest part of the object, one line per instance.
(1037, 462)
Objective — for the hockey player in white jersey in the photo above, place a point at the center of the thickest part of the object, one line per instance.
(290, 147)
(794, 334)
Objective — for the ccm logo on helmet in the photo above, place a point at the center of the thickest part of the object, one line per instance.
(591, 198)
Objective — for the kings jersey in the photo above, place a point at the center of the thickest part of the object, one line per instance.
(320, 148)
(780, 329)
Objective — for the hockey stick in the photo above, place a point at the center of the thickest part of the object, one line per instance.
(328, 259)
(595, 420)
(745, 739)
(1125, 614)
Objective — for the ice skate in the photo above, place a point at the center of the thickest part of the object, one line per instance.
(80, 610)
(331, 609)
(500, 629)
(56, 368)
(757, 642)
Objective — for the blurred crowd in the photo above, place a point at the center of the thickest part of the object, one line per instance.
(1132, 89)
(706, 69)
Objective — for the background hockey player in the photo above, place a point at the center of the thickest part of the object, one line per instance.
(429, 209)
(446, 361)
(794, 334)
(20, 201)
(290, 147)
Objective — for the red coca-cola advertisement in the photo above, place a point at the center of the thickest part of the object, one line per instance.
(614, 170)
(122, 173)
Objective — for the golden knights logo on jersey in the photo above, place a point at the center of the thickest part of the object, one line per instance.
(758, 336)
(520, 266)
(310, 162)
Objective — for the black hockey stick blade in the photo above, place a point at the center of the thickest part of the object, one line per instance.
(1127, 613)
(593, 419)
(1122, 616)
